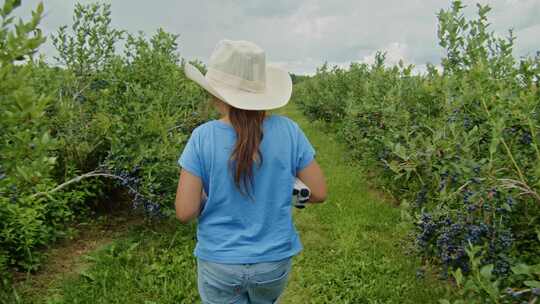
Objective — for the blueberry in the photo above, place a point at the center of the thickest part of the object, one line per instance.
(466, 195)
(526, 139)
(135, 170)
(501, 268)
(467, 123)
(510, 201)
(447, 221)
(149, 207)
(484, 228)
(441, 185)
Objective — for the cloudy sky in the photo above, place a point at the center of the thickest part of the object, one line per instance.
(300, 35)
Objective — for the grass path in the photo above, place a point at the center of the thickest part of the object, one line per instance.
(354, 250)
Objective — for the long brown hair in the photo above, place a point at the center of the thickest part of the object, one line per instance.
(248, 127)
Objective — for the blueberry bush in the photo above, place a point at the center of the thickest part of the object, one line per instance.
(456, 146)
(99, 119)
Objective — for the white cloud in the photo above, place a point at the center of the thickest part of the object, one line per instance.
(422, 68)
(305, 66)
(338, 31)
(395, 52)
(314, 28)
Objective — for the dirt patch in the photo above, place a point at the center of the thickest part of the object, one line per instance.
(377, 191)
(63, 258)
(381, 195)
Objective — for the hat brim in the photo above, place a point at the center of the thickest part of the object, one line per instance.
(277, 93)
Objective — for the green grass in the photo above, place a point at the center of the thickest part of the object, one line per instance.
(354, 243)
(354, 250)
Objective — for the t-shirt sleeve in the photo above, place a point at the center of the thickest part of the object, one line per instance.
(305, 151)
(190, 158)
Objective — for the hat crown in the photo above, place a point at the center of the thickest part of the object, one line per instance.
(239, 64)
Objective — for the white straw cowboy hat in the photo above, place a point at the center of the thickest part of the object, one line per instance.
(238, 75)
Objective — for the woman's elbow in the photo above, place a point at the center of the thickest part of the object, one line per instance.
(183, 217)
(318, 197)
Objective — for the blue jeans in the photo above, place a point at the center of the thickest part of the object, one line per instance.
(258, 283)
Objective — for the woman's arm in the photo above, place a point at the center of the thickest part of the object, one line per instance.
(313, 177)
(188, 196)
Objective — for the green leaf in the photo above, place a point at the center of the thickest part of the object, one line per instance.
(45, 138)
(521, 269)
(494, 143)
(486, 271)
(133, 246)
(458, 276)
(23, 174)
(532, 284)
(88, 275)
(51, 160)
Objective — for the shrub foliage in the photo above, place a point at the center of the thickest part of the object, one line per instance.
(457, 147)
(97, 120)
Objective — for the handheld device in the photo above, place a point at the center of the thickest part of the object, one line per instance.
(301, 194)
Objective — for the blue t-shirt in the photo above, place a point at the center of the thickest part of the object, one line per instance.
(231, 227)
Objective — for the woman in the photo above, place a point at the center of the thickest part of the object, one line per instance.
(247, 163)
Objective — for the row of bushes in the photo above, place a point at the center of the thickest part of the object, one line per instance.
(98, 120)
(459, 148)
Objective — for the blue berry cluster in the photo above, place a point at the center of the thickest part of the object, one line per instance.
(468, 123)
(446, 237)
(427, 228)
(475, 233)
(453, 116)
(450, 246)
(421, 197)
(444, 179)
(526, 138)
(447, 179)
(500, 243)
(131, 180)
